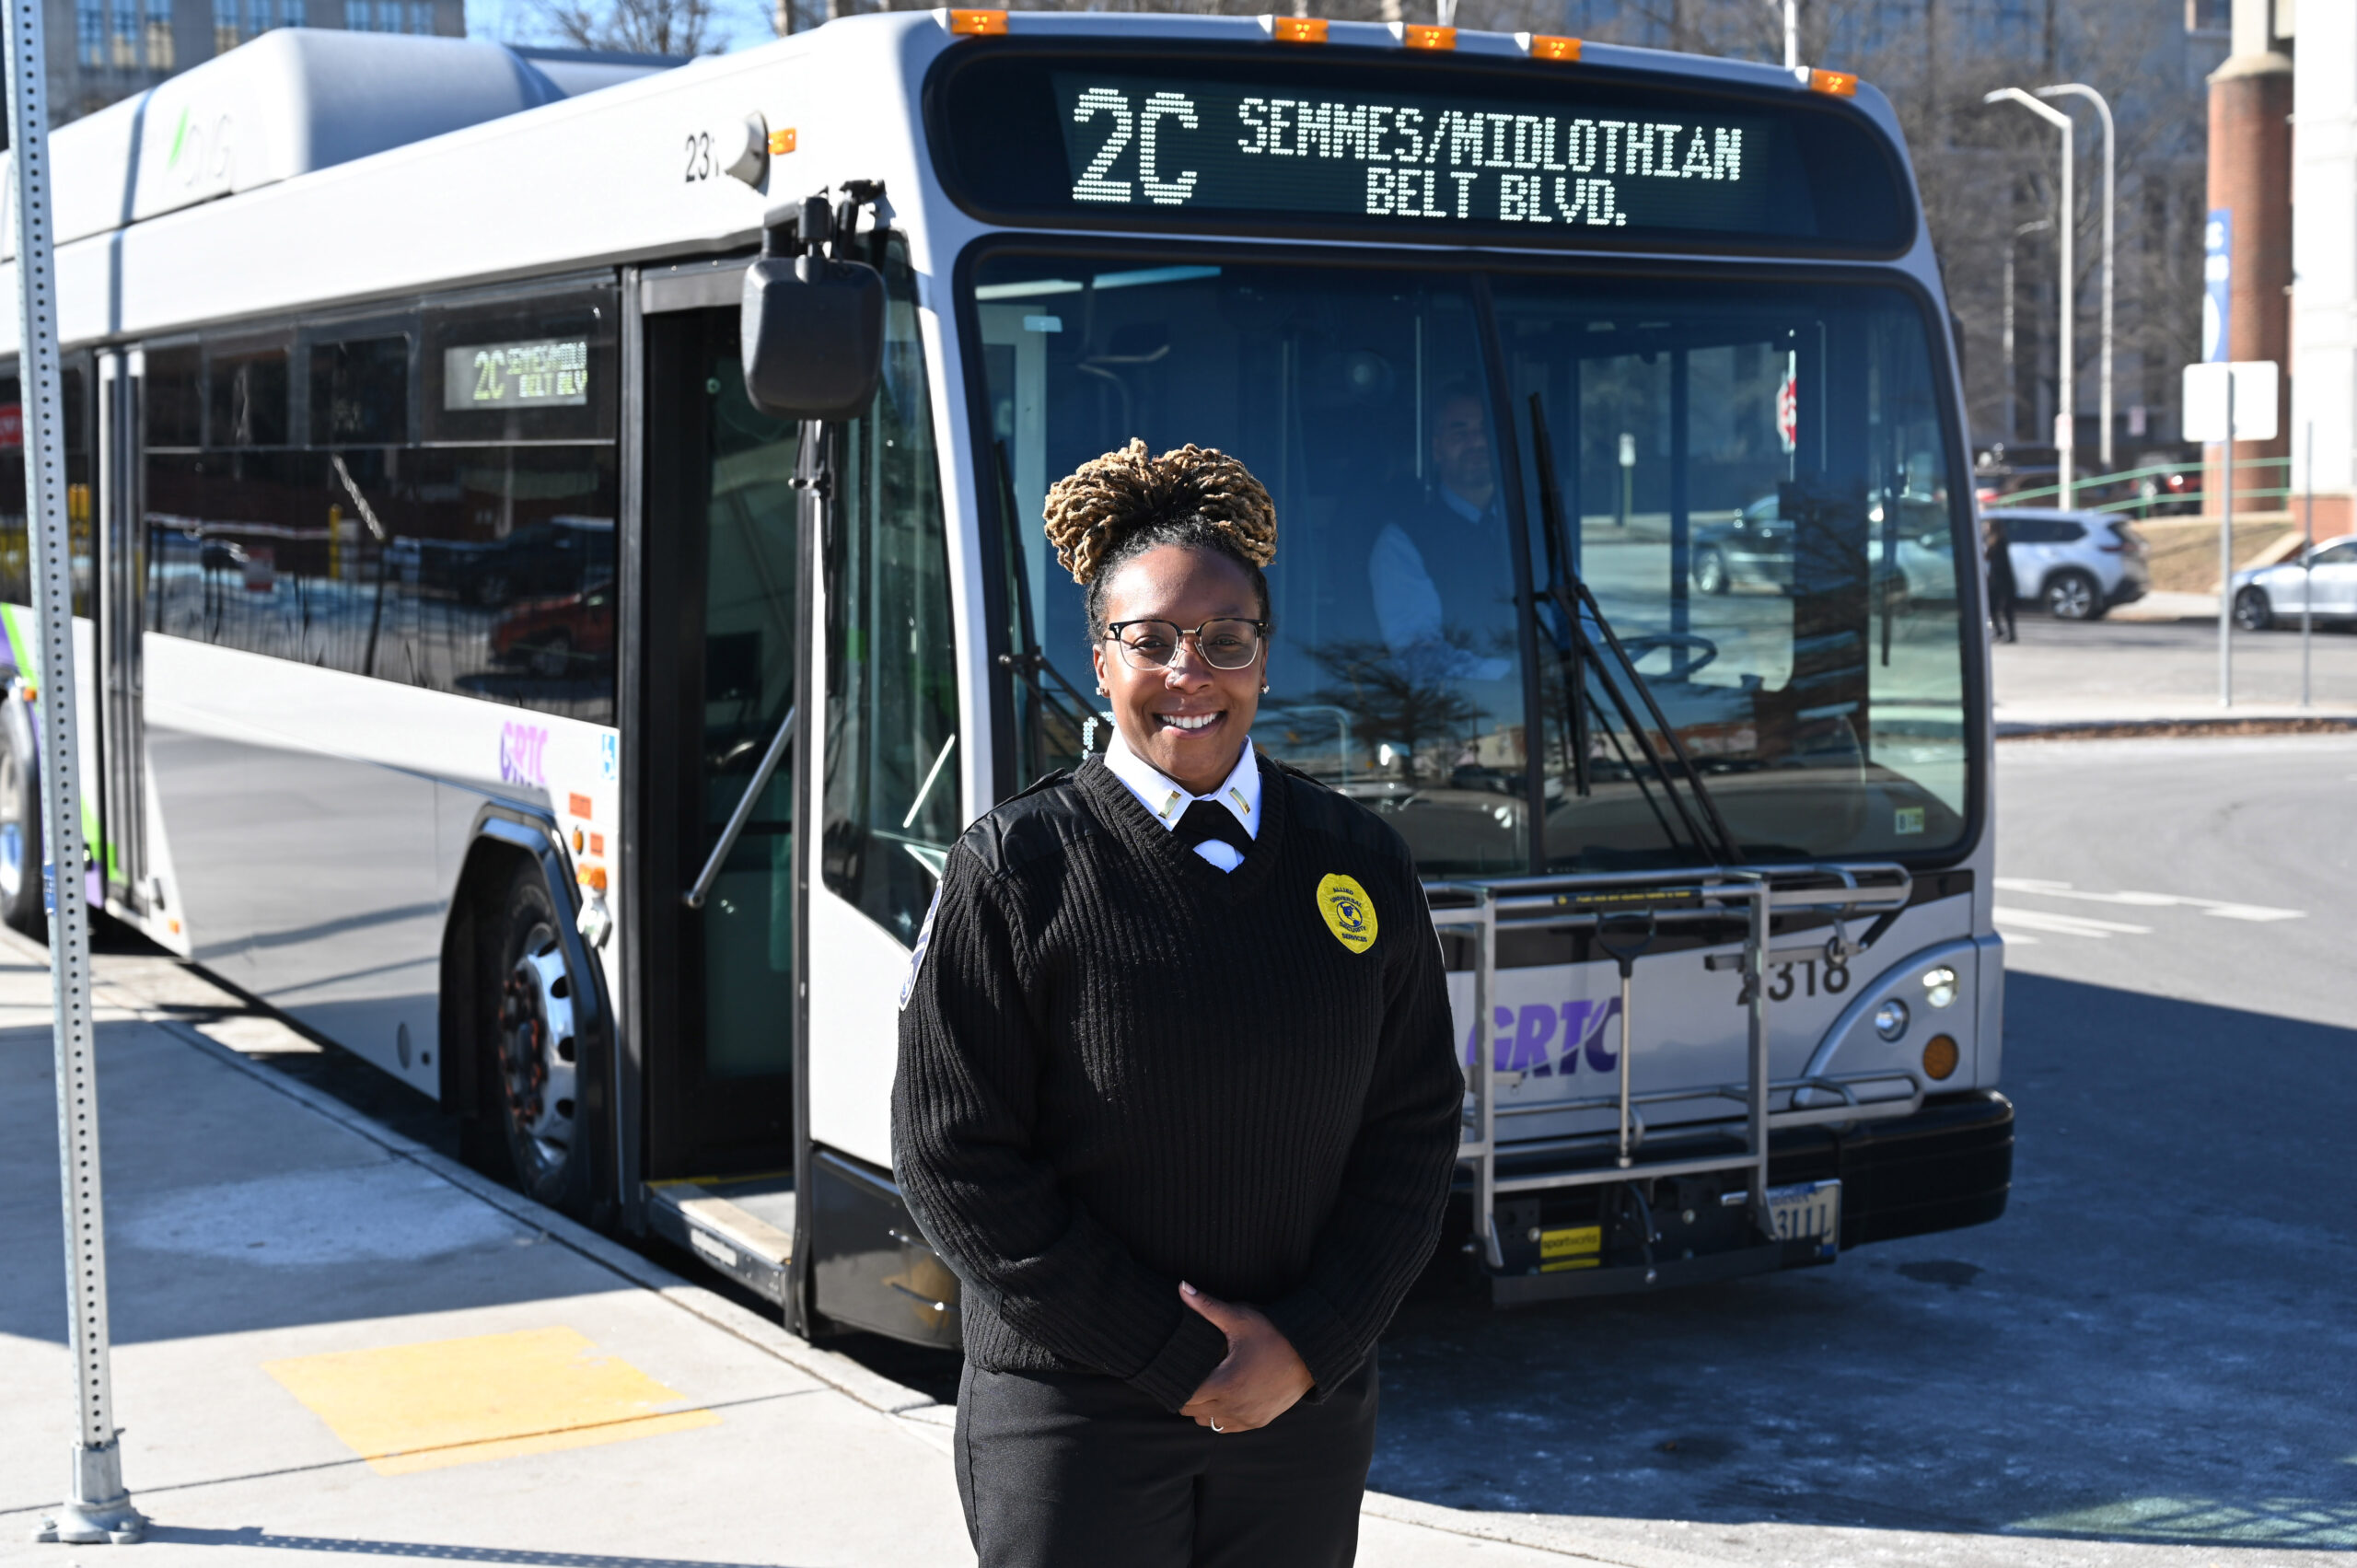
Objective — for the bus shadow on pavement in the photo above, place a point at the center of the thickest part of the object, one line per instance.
(255, 1538)
(2150, 1346)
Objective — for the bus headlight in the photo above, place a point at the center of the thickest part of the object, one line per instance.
(1890, 1019)
(1939, 986)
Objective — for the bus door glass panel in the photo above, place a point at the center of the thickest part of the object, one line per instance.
(1359, 398)
(749, 594)
(1753, 481)
(892, 808)
(122, 536)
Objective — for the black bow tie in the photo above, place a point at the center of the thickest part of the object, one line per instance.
(1207, 819)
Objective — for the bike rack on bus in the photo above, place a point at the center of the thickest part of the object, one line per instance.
(1760, 894)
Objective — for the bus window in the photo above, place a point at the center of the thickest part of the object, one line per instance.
(322, 523)
(1751, 482)
(15, 544)
(1359, 398)
(892, 805)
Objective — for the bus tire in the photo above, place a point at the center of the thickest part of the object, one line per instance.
(21, 904)
(534, 1056)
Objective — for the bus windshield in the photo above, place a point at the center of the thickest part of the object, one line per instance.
(1751, 476)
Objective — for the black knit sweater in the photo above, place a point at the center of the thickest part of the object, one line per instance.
(1122, 1067)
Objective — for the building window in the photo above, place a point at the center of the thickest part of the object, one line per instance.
(292, 13)
(90, 32)
(224, 26)
(257, 17)
(159, 35)
(421, 16)
(123, 36)
(2208, 15)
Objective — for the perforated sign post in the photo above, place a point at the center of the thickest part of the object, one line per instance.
(2229, 401)
(97, 1509)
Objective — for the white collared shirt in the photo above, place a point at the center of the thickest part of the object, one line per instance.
(1166, 800)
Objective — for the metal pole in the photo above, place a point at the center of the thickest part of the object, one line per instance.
(2226, 560)
(2103, 113)
(1792, 35)
(2013, 398)
(2308, 569)
(2065, 419)
(97, 1509)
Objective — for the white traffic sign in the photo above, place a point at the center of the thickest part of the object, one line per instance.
(2255, 382)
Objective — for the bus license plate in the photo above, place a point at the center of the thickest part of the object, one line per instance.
(1807, 1211)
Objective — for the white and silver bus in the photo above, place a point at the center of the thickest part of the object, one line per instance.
(490, 668)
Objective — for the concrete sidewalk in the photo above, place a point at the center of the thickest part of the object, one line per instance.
(331, 1342)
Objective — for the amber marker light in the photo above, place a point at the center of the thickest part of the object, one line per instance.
(1940, 1057)
(1545, 46)
(1297, 29)
(977, 23)
(1840, 84)
(1428, 38)
(594, 878)
(782, 142)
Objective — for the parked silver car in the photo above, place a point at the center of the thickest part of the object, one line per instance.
(2076, 565)
(2272, 596)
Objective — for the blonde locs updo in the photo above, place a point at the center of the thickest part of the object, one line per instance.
(1126, 503)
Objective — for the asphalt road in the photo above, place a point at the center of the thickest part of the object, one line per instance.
(2128, 664)
(2154, 1346)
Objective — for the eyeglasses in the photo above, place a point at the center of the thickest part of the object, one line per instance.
(1224, 643)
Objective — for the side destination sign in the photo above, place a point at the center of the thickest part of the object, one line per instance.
(1412, 159)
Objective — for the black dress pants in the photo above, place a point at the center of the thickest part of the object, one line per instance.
(1069, 1470)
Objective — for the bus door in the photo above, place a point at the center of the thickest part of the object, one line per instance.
(719, 750)
(119, 626)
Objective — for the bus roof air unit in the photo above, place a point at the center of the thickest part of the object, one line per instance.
(293, 100)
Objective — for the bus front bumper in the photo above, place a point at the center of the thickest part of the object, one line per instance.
(1948, 1165)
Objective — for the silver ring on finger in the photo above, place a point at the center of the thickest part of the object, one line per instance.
(1217, 1427)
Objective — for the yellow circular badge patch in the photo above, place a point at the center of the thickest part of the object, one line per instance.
(1349, 913)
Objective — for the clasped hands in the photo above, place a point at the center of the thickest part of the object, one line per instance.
(1263, 1377)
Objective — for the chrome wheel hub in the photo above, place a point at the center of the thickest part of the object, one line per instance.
(537, 1066)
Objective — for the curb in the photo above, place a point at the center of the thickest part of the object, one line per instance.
(2178, 729)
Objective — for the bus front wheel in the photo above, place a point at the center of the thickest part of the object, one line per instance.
(21, 845)
(534, 1054)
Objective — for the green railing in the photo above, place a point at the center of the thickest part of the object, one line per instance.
(2268, 480)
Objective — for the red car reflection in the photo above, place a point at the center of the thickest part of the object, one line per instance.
(565, 634)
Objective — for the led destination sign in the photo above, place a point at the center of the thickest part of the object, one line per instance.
(540, 373)
(1416, 160)
(1254, 141)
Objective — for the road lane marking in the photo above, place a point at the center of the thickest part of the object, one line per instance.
(425, 1406)
(2218, 908)
(2067, 924)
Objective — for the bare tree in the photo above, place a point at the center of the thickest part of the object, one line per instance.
(633, 26)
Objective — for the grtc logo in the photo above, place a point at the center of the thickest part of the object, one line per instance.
(522, 750)
(1524, 1038)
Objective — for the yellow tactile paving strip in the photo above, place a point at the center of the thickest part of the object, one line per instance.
(423, 1407)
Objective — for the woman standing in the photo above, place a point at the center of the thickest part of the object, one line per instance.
(1997, 544)
(1176, 1096)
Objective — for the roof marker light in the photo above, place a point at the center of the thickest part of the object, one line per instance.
(1840, 84)
(1296, 29)
(1416, 37)
(977, 23)
(782, 142)
(1547, 46)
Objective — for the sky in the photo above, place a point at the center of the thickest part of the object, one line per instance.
(737, 23)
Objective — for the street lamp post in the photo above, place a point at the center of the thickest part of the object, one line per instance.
(2103, 113)
(2066, 436)
(1792, 9)
(2013, 396)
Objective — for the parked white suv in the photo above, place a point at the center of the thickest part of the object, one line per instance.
(2077, 565)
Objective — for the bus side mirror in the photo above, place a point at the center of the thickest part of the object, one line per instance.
(812, 330)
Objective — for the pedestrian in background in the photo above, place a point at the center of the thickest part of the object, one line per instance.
(1177, 1098)
(1995, 545)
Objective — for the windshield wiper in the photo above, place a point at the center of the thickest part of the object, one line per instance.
(1029, 661)
(1578, 605)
